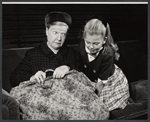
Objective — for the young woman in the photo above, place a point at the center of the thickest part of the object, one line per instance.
(98, 50)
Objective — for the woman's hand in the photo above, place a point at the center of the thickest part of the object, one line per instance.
(61, 71)
(39, 77)
(99, 86)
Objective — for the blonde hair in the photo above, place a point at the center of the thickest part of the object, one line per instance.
(96, 27)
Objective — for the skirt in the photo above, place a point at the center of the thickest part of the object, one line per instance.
(70, 98)
(115, 93)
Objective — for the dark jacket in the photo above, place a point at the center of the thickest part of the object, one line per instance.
(41, 58)
(102, 67)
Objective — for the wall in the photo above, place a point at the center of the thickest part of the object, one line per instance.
(23, 24)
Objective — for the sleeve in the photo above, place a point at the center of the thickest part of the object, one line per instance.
(22, 72)
(73, 59)
(106, 68)
(77, 63)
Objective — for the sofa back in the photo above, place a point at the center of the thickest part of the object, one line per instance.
(133, 61)
(10, 60)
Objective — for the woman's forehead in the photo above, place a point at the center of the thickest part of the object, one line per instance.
(59, 28)
(93, 38)
(60, 23)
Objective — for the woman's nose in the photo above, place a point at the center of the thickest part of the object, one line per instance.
(59, 37)
(91, 46)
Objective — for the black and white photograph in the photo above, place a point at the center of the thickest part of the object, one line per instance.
(74, 61)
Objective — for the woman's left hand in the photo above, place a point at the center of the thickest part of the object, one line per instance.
(99, 86)
(61, 71)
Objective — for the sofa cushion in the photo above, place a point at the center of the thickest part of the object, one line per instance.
(139, 90)
(139, 105)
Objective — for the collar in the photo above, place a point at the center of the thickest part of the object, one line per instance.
(95, 55)
(46, 50)
(54, 51)
(49, 53)
(91, 57)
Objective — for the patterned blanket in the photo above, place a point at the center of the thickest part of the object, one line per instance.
(70, 98)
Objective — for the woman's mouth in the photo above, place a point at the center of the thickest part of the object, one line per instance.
(92, 51)
(58, 43)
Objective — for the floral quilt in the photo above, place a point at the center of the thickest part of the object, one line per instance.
(70, 98)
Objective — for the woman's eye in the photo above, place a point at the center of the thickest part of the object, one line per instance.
(96, 43)
(54, 32)
(63, 34)
(87, 42)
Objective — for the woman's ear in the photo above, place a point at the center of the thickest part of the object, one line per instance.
(105, 38)
(46, 31)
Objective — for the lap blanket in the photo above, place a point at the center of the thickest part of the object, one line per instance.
(70, 98)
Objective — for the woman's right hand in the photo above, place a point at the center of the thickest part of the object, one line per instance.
(39, 77)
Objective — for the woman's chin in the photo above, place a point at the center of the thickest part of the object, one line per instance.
(58, 46)
(93, 52)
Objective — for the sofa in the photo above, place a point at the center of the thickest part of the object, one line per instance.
(133, 61)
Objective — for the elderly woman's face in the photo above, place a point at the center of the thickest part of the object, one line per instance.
(94, 42)
(56, 35)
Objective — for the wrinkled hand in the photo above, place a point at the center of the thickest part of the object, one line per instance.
(39, 77)
(61, 71)
(99, 86)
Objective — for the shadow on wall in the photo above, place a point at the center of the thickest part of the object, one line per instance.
(133, 59)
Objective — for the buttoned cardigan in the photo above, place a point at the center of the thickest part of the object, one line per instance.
(101, 67)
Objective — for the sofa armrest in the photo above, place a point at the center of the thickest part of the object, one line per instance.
(139, 90)
(139, 105)
(10, 106)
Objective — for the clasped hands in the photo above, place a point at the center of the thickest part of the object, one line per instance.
(59, 72)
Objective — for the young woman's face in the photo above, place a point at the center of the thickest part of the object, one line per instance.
(94, 42)
(56, 35)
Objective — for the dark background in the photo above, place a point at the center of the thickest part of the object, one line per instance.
(23, 24)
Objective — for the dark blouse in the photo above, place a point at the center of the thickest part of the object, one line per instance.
(42, 58)
(101, 67)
